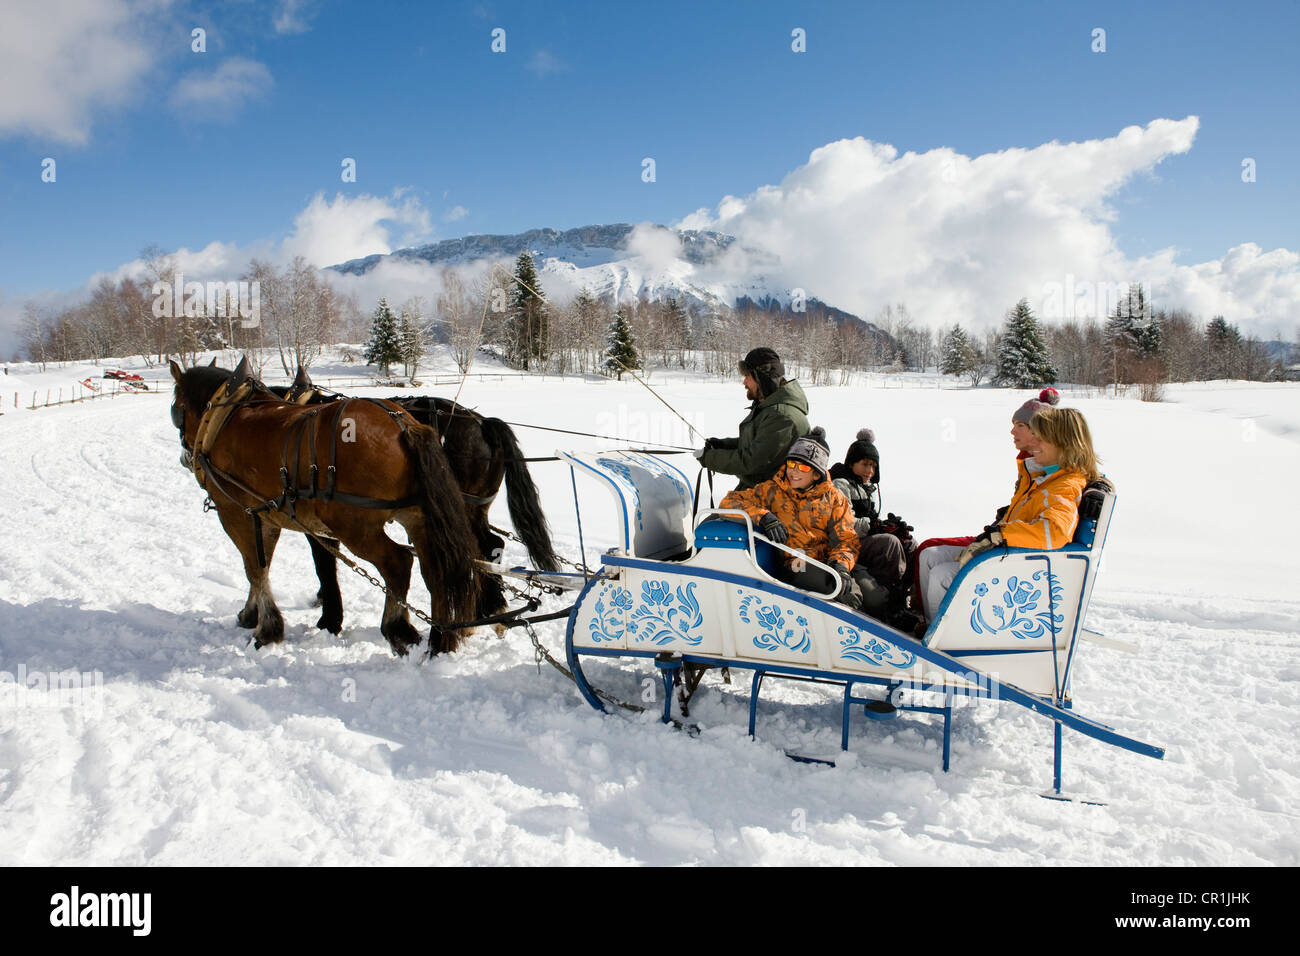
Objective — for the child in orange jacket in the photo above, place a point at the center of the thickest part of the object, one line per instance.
(801, 509)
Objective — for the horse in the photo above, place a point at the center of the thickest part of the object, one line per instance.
(257, 457)
(482, 453)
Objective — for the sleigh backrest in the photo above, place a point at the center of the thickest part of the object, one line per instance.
(653, 500)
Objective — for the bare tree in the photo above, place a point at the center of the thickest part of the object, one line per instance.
(461, 317)
(35, 332)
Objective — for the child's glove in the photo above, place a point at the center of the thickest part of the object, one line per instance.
(772, 528)
(846, 580)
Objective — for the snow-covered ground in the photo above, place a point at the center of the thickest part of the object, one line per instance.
(194, 748)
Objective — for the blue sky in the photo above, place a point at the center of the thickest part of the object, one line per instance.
(553, 131)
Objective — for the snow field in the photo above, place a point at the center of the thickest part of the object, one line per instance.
(198, 749)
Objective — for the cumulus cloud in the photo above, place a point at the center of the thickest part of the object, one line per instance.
(221, 92)
(960, 238)
(63, 60)
(328, 232)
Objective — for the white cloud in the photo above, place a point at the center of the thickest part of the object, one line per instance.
(327, 233)
(657, 247)
(546, 63)
(221, 92)
(961, 239)
(294, 16)
(456, 212)
(63, 60)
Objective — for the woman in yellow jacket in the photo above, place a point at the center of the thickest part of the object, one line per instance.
(1044, 510)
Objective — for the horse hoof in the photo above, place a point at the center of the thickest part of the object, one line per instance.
(333, 626)
(401, 647)
(500, 629)
(247, 617)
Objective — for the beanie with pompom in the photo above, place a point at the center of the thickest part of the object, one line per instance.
(864, 448)
(1047, 398)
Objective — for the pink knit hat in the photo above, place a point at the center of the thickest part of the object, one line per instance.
(1046, 399)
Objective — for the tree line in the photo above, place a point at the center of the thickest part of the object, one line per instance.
(508, 316)
(161, 315)
(1138, 344)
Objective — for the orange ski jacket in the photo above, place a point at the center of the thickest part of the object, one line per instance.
(1044, 510)
(819, 518)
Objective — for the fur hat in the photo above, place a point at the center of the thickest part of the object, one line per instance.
(766, 367)
(813, 449)
(1046, 399)
(863, 448)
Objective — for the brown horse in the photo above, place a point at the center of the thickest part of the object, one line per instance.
(337, 471)
(482, 453)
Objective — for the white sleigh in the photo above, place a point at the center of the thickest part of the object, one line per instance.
(1008, 628)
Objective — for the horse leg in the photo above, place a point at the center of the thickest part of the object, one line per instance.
(327, 572)
(492, 597)
(394, 564)
(450, 640)
(259, 611)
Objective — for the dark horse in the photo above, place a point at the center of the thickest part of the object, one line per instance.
(482, 453)
(257, 456)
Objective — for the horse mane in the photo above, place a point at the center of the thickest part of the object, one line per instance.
(199, 383)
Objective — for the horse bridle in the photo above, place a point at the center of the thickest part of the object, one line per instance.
(178, 419)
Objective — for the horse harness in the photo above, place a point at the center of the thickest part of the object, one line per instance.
(217, 414)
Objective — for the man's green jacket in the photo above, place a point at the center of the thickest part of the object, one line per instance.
(765, 436)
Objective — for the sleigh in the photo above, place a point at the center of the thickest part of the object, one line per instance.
(686, 590)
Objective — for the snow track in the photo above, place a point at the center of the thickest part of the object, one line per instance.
(193, 748)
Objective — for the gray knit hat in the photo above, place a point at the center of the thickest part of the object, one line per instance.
(813, 449)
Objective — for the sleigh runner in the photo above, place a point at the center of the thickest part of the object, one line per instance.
(1009, 627)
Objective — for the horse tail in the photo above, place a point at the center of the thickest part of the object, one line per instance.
(450, 550)
(521, 496)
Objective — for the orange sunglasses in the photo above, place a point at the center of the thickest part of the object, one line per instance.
(798, 465)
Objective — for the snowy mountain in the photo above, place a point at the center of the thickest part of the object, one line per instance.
(623, 263)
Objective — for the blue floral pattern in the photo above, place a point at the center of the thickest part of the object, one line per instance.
(856, 645)
(610, 609)
(664, 616)
(1018, 611)
(772, 618)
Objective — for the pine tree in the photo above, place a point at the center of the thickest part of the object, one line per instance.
(620, 349)
(384, 347)
(1022, 353)
(1222, 349)
(958, 354)
(527, 341)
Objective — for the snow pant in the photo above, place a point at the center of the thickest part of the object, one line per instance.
(937, 567)
(815, 579)
(882, 563)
